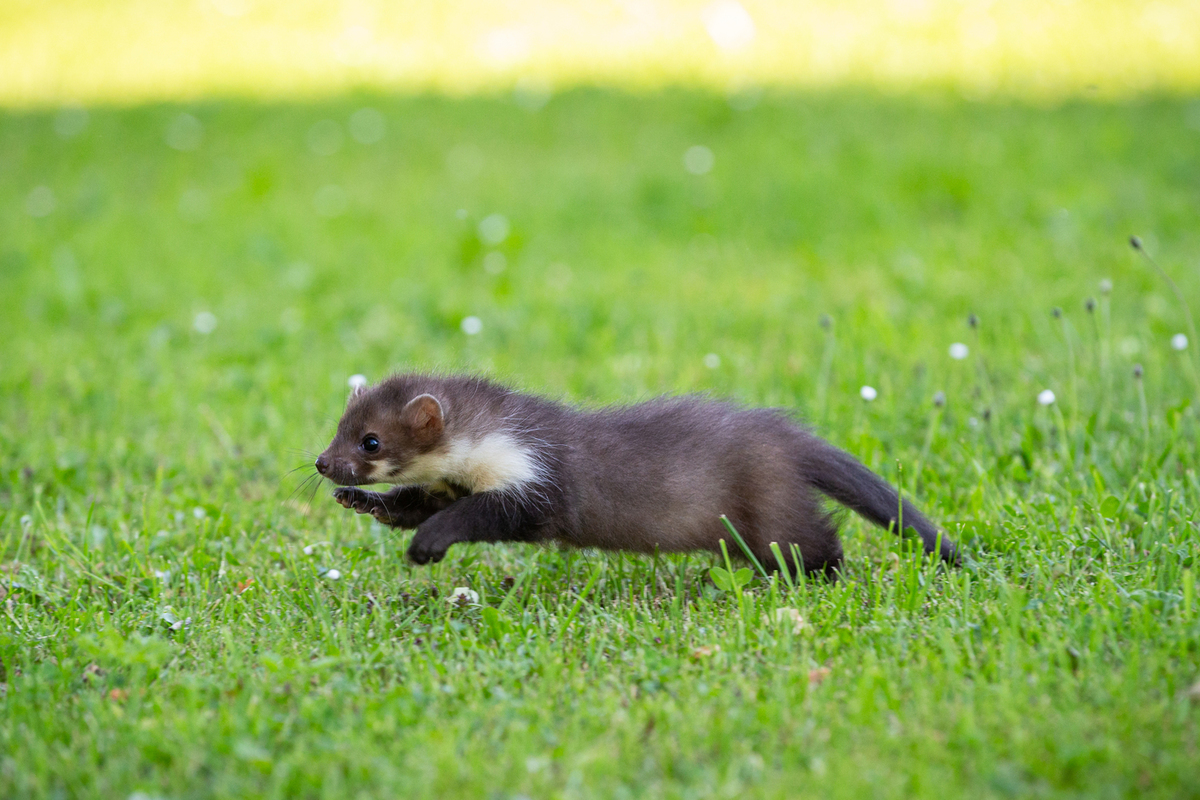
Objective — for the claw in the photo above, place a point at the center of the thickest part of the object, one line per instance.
(356, 499)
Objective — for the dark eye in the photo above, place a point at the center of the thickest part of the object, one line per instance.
(370, 444)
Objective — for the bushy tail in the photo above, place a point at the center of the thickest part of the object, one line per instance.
(843, 478)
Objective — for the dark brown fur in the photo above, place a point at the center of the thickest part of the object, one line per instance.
(650, 477)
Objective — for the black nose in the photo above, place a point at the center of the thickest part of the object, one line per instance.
(322, 464)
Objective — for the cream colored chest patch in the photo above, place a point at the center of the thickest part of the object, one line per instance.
(493, 462)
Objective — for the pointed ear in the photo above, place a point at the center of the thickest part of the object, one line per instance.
(424, 418)
(358, 387)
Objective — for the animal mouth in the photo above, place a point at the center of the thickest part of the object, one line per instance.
(344, 476)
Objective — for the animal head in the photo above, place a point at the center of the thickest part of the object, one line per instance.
(387, 434)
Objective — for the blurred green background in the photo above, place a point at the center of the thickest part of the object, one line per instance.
(216, 213)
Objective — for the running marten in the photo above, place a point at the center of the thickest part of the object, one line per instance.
(473, 461)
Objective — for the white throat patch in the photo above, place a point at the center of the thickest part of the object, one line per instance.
(493, 462)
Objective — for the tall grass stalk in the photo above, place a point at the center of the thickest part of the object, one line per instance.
(1193, 341)
(1072, 373)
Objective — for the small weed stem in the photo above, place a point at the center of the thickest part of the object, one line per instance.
(826, 373)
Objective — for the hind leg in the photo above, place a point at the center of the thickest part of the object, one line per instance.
(808, 540)
(824, 560)
(783, 509)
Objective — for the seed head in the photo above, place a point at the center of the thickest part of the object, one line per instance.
(1135, 242)
(463, 596)
(1090, 304)
(939, 399)
(826, 321)
(973, 320)
(1137, 372)
(1056, 312)
(1105, 286)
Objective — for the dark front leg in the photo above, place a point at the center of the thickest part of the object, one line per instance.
(402, 507)
(483, 517)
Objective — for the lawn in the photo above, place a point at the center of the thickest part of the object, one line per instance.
(185, 291)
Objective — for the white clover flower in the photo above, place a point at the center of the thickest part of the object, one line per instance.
(1105, 286)
(495, 262)
(308, 549)
(698, 160)
(1045, 397)
(868, 393)
(790, 617)
(472, 325)
(185, 133)
(71, 120)
(199, 513)
(532, 93)
(333, 574)
(712, 361)
(357, 381)
(205, 322)
(367, 126)
(331, 201)
(462, 596)
(193, 205)
(40, 201)
(1179, 342)
(493, 229)
(959, 351)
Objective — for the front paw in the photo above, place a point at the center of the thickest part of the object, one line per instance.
(354, 498)
(429, 544)
(423, 551)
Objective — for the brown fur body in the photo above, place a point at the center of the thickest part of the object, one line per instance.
(478, 462)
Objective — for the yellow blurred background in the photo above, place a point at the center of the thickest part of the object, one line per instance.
(131, 51)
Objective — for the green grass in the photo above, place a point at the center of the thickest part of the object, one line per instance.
(163, 630)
